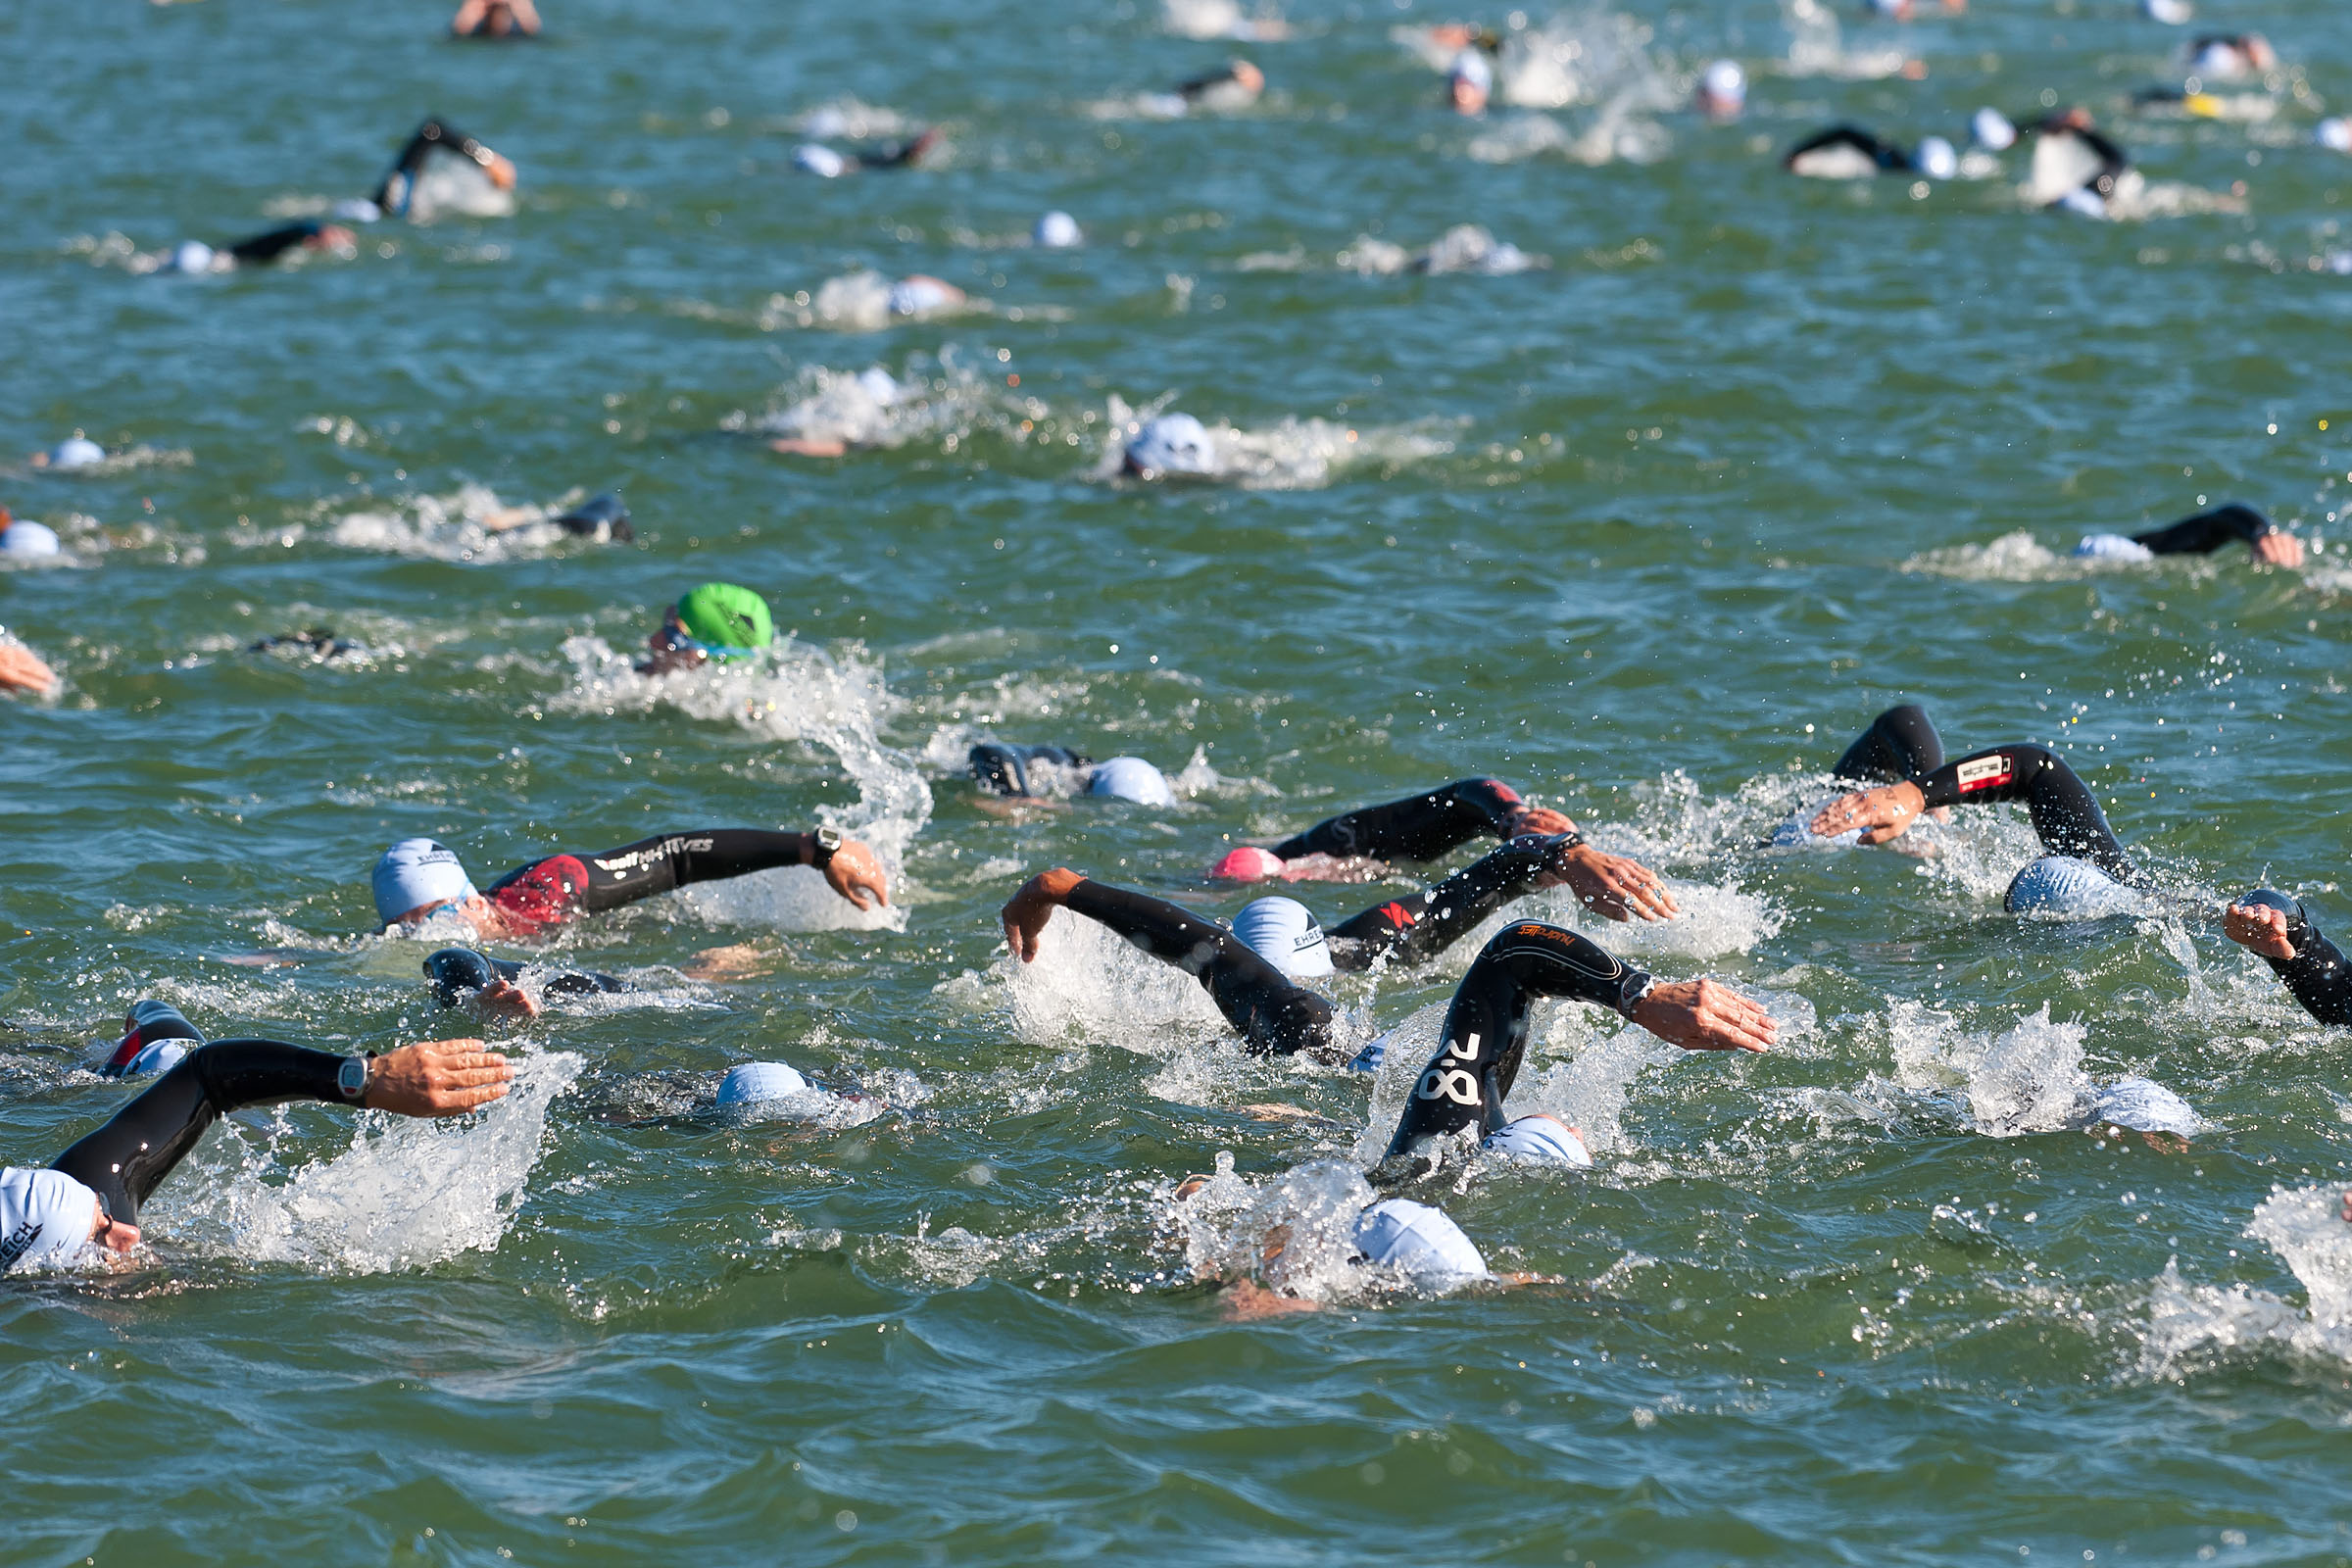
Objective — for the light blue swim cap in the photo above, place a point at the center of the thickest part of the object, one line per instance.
(1991, 131)
(1131, 778)
(1936, 159)
(30, 540)
(1400, 1234)
(46, 1218)
(414, 873)
(1283, 932)
(822, 162)
(192, 256)
(1540, 1141)
(755, 1081)
(2067, 888)
(2112, 547)
(913, 296)
(77, 452)
(2082, 203)
(1057, 230)
(160, 1056)
(1173, 443)
(877, 383)
(2146, 1106)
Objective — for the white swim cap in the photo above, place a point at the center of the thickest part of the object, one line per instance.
(358, 210)
(1991, 131)
(1724, 81)
(192, 256)
(761, 1080)
(1057, 230)
(2067, 888)
(820, 161)
(416, 872)
(913, 296)
(2082, 201)
(2148, 1107)
(1285, 933)
(76, 452)
(1471, 66)
(1400, 1233)
(2172, 12)
(1936, 159)
(1131, 778)
(2334, 133)
(30, 540)
(1172, 443)
(877, 383)
(45, 1217)
(2112, 547)
(1540, 1141)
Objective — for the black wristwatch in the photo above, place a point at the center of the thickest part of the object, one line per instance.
(1631, 990)
(823, 844)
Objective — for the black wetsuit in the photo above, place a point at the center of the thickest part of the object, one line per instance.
(1274, 1013)
(1902, 745)
(2318, 974)
(262, 249)
(603, 517)
(392, 196)
(461, 973)
(127, 1158)
(1890, 159)
(2207, 531)
(554, 890)
(1004, 769)
(1420, 827)
(1484, 1036)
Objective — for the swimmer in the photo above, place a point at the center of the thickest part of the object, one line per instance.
(2076, 168)
(1470, 83)
(76, 451)
(603, 519)
(1170, 445)
(1057, 230)
(1846, 152)
(90, 1196)
(22, 671)
(1252, 968)
(1023, 772)
(1722, 91)
(416, 879)
(715, 624)
(495, 19)
(1425, 827)
(2280, 932)
(25, 540)
(396, 196)
(2083, 862)
(918, 294)
(1462, 1090)
(1906, 10)
(1405, 1240)
(319, 644)
(495, 985)
(2231, 56)
(293, 241)
(2201, 536)
(1238, 87)
(815, 158)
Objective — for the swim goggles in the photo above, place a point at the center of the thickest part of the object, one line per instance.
(674, 638)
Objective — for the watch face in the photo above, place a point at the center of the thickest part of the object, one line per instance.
(352, 1077)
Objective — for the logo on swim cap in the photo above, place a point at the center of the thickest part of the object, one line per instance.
(1172, 443)
(1283, 933)
(414, 873)
(1131, 778)
(726, 620)
(46, 1218)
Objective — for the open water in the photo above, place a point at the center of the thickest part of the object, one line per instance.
(1649, 530)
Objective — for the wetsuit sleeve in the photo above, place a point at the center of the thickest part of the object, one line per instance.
(1484, 1036)
(2065, 813)
(1273, 1014)
(2207, 531)
(551, 890)
(1902, 743)
(124, 1160)
(432, 133)
(1416, 928)
(1420, 827)
(459, 974)
(2318, 974)
(262, 249)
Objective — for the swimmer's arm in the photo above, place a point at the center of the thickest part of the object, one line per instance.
(2314, 968)
(2066, 814)
(2208, 531)
(264, 248)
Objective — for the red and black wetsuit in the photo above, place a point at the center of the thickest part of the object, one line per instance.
(551, 892)
(1420, 827)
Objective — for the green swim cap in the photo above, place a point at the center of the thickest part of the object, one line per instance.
(727, 617)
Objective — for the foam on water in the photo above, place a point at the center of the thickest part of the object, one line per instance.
(1293, 455)
(2191, 1325)
(1088, 982)
(874, 408)
(405, 1194)
(1295, 1232)
(469, 527)
(1817, 46)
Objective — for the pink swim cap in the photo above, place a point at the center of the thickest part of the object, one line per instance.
(1249, 863)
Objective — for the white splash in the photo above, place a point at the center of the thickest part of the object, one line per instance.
(1293, 455)
(874, 408)
(1295, 1232)
(469, 527)
(2189, 1323)
(1088, 983)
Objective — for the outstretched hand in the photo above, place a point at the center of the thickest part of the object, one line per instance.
(1705, 1016)
(1610, 885)
(2259, 928)
(437, 1078)
(505, 996)
(1540, 820)
(857, 875)
(1026, 912)
(22, 671)
(1885, 813)
(2278, 548)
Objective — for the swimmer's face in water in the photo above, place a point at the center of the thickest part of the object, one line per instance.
(1469, 97)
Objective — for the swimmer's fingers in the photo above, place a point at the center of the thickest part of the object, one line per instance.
(2278, 548)
(21, 670)
(857, 875)
(2258, 928)
(1541, 820)
(505, 996)
(437, 1078)
(1842, 815)
(1704, 1016)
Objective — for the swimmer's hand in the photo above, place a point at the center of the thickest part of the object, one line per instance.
(22, 671)
(1026, 912)
(1537, 819)
(857, 875)
(2258, 928)
(1247, 1300)
(1610, 885)
(1704, 1016)
(506, 997)
(2278, 548)
(802, 447)
(1884, 814)
(437, 1078)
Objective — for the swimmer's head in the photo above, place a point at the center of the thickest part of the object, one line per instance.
(1936, 159)
(1991, 131)
(2334, 133)
(1470, 83)
(1171, 443)
(824, 162)
(1285, 934)
(719, 620)
(51, 1210)
(2061, 887)
(755, 1081)
(1539, 1139)
(27, 541)
(76, 451)
(1418, 1240)
(192, 256)
(1247, 864)
(921, 295)
(1131, 778)
(416, 879)
(1722, 90)
(1057, 230)
(1251, 79)
(357, 210)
